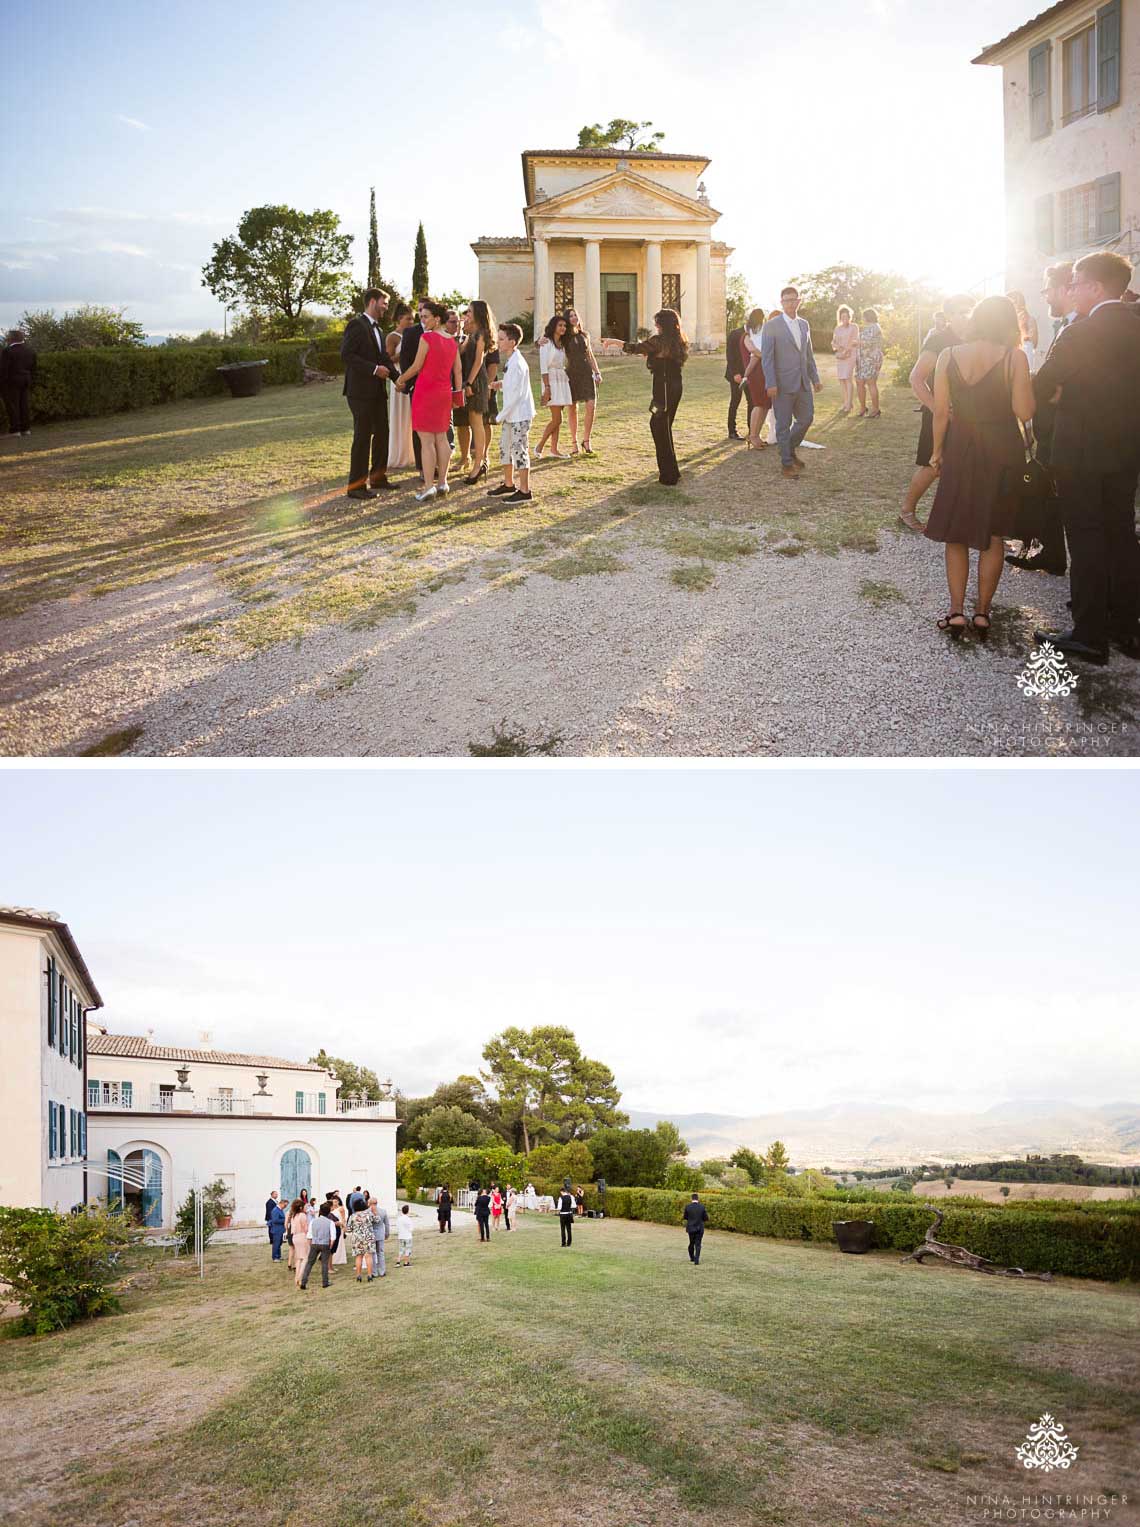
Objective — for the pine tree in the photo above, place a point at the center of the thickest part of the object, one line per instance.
(420, 286)
(373, 243)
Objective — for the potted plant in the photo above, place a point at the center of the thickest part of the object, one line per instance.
(243, 378)
(854, 1235)
(220, 1204)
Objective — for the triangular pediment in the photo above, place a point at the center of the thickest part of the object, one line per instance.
(623, 194)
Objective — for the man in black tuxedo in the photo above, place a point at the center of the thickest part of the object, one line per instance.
(366, 372)
(17, 370)
(1092, 374)
(734, 376)
(1048, 529)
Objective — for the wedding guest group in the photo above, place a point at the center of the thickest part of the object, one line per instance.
(322, 1234)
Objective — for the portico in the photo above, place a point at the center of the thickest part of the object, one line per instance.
(615, 236)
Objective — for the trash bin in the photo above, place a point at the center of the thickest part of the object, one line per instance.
(854, 1235)
(243, 378)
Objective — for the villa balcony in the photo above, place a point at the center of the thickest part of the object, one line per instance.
(367, 1108)
(121, 1098)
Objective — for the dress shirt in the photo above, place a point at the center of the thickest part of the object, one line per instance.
(321, 1231)
(794, 325)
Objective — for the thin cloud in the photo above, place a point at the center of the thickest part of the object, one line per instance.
(142, 127)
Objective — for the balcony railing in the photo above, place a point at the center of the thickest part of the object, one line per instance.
(367, 1108)
(226, 1103)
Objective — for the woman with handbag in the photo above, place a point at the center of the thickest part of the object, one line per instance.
(982, 397)
(438, 389)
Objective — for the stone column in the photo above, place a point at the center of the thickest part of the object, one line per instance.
(543, 297)
(704, 283)
(651, 302)
(591, 313)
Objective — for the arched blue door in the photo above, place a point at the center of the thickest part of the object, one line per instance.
(114, 1180)
(144, 1186)
(296, 1173)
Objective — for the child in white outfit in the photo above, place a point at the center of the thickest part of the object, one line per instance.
(404, 1237)
(516, 410)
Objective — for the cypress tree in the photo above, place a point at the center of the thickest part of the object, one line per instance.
(420, 286)
(373, 243)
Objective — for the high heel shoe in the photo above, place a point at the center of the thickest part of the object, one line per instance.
(947, 624)
(475, 476)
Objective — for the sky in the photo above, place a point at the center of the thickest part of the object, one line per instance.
(727, 941)
(845, 130)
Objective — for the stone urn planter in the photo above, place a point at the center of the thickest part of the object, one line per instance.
(244, 378)
(854, 1235)
(225, 1221)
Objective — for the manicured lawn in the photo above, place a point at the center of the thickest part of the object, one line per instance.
(254, 489)
(609, 1384)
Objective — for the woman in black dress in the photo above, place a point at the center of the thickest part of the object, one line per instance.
(479, 326)
(982, 396)
(665, 353)
(582, 369)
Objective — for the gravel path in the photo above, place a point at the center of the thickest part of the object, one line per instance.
(782, 656)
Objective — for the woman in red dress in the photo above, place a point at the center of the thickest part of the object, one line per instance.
(437, 375)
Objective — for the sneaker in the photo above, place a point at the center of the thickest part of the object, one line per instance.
(501, 491)
(519, 497)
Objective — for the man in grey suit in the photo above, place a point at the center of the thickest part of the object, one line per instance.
(790, 375)
(380, 1231)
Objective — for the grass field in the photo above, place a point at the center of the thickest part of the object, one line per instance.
(609, 1384)
(254, 488)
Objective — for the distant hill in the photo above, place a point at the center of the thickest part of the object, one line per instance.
(874, 1135)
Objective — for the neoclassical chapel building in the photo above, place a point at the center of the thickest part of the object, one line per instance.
(616, 235)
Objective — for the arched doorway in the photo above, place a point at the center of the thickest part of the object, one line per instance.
(141, 1186)
(296, 1172)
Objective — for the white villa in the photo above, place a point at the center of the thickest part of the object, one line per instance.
(1071, 78)
(616, 236)
(117, 1116)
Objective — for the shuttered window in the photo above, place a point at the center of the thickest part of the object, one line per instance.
(300, 1100)
(320, 1102)
(1108, 207)
(127, 1090)
(51, 1004)
(72, 1132)
(92, 1093)
(1108, 56)
(51, 1132)
(75, 1030)
(64, 1027)
(1040, 90)
(1078, 67)
(83, 1135)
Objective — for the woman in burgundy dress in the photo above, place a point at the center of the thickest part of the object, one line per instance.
(981, 392)
(437, 375)
(755, 387)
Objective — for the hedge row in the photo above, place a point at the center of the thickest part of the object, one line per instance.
(77, 384)
(1075, 1242)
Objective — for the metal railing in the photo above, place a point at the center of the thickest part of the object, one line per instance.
(224, 1103)
(367, 1108)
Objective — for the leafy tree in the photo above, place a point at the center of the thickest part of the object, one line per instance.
(466, 1093)
(548, 1087)
(453, 1126)
(735, 1177)
(574, 1160)
(355, 1080)
(776, 1159)
(60, 1268)
(737, 301)
(281, 262)
(672, 1138)
(420, 287)
(823, 291)
(208, 337)
(621, 132)
(629, 1158)
(90, 327)
(683, 1179)
(215, 1204)
(1004, 1190)
(748, 1161)
(455, 299)
(373, 278)
(715, 1167)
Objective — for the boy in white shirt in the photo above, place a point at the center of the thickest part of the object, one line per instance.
(404, 1237)
(516, 410)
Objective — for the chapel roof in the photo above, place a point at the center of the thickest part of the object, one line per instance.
(633, 155)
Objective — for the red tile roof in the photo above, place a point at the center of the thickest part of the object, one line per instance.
(138, 1047)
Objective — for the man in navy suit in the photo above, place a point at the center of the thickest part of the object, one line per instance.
(791, 376)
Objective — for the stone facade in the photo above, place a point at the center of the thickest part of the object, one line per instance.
(615, 236)
(1071, 87)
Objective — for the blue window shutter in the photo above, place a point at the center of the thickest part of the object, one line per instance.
(321, 1103)
(51, 1002)
(127, 1091)
(1040, 90)
(1108, 206)
(81, 1025)
(83, 1135)
(92, 1092)
(75, 1029)
(1108, 56)
(300, 1097)
(72, 1132)
(51, 1131)
(61, 1013)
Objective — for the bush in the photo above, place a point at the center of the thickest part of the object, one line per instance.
(77, 384)
(1066, 1241)
(61, 1268)
(680, 1178)
(215, 1205)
